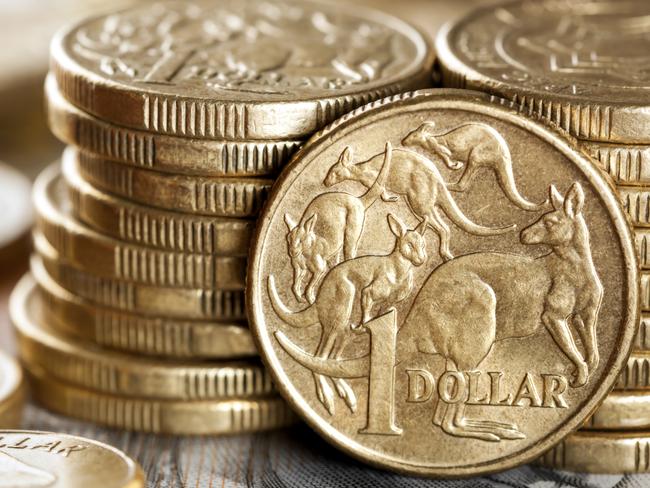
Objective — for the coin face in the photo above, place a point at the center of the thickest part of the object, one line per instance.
(237, 70)
(581, 64)
(42, 459)
(433, 322)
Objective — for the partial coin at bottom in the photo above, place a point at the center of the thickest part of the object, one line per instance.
(206, 417)
(12, 393)
(601, 453)
(43, 459)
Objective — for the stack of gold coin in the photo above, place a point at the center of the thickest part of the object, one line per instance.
(178, 117)
(581, 66)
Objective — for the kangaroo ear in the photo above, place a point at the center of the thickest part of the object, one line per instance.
(310, 223)
(346, 157)
(291, 224)
(556, 197)
(396, 226)
(429, 124)
(574, 201)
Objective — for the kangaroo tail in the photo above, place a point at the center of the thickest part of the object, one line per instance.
(507, 183)
(379, 186)
(335, 368)
(451, 209)
(301, 319)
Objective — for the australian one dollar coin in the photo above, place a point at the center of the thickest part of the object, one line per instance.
(582, 64)
(237, 69)
(442, 286)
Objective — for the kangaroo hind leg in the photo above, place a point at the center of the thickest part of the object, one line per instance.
(318, 268)
(324, 391)
(559, 330)
(353, 228)
(344, 390)
(335, 321)
(482, 429)
(438, 224)
(587, 331)
(465, 179)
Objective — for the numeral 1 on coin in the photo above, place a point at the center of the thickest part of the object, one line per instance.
(381, 384)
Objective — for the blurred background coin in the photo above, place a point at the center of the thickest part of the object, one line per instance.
(581, 65)
(17, 215)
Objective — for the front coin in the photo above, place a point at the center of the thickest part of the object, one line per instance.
(442, 286)
(42, 459)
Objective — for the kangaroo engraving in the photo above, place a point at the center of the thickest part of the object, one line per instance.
(373, 283)
(474, 146)
(468, 304)
(419, 180)
(332, 223)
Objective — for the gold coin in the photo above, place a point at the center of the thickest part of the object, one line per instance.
(17, 215)
(160, 152)
(200, 417)
(88, 366)
(239, 70)
(126, 296)
(636, 202)
(601, 453)
(152, 336)
(436, 350)
(636, 374)
(627, 165)
(12, 392)
(111, 258)
(629, 410)
(148, 226)
(52, 460)
(578, 64)
(222, 197)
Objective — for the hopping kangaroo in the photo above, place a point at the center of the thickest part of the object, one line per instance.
(420, 181)
(331, 223)
(474, 146)
(371, 282)
(468, 304)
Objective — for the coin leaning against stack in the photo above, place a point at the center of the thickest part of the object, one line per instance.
(605, 107)
(142, 233)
